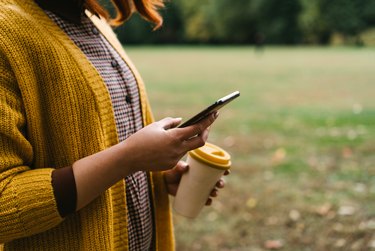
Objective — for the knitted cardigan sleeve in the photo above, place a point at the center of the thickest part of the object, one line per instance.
(27, 202)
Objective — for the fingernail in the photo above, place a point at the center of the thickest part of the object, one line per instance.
(216, 114)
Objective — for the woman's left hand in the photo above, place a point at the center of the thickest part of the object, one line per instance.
(173, 176)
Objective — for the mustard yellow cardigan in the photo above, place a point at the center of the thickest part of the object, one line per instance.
(54, 110)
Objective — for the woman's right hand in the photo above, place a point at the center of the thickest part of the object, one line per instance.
(160, 145)
(156, 147)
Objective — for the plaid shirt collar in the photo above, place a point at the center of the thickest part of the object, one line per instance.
(70, 10)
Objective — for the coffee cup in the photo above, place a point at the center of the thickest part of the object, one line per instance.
(206, 166)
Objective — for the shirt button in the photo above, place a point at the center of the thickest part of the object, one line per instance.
(95, 31)
(114, 63)
(128, 99)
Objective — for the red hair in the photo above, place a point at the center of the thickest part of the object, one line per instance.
(148, 9)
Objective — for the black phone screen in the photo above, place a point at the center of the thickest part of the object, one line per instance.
(210, 109)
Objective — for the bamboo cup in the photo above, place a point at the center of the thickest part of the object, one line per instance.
(206, 166)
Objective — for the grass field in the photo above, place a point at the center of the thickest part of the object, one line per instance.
(302, 138)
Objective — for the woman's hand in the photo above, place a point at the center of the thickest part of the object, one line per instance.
(173, 176)
(157, 147)
(160, 145)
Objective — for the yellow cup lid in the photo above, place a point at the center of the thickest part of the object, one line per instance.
(212, 155)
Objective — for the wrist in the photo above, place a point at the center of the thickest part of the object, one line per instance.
(125, 163)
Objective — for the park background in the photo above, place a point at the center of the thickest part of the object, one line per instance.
(302, 134)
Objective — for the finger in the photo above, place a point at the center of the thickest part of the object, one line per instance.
(172, 189)
(220, 183)
(168, 123)
(214, 192)
(197, 129)
(196, 141)
(174, 175)
(204, 134)
(227, 172)
(182, 166)
(209, 202)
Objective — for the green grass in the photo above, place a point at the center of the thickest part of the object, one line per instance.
(302, 138)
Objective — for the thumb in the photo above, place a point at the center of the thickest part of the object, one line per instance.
(174, 175)
(168, 123)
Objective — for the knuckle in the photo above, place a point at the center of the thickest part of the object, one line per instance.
(176, 153)
(200, 128)
(174, 138)
(173, 154)
(178, 137)
(211, 119)
(200, 142)
(173, 163)
(181, 153)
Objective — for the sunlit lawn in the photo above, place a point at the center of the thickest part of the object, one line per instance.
(302, 138)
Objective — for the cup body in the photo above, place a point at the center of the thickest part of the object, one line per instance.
(197, 183)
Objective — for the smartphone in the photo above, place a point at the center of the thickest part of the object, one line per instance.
(209, 110)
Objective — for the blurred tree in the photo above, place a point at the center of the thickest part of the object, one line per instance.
(196, 20)
(252, 21)
(314, 30)
(242, 21)
(367, 12)
(233, 21)
(343, 16)
(278, 20)
(138, 31)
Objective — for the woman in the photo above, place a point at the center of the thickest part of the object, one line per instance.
(82, 164)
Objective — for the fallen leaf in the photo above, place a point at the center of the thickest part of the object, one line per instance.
(346, 210)
(324, 209)
(371, 244)
(357, 245)
(294, 215)
(251, 203)
(367, 225)
(273, 220)
(279, 155)
(347, 152)
(340, 243)
(360, 188)
(274, 244)
(212, 216)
